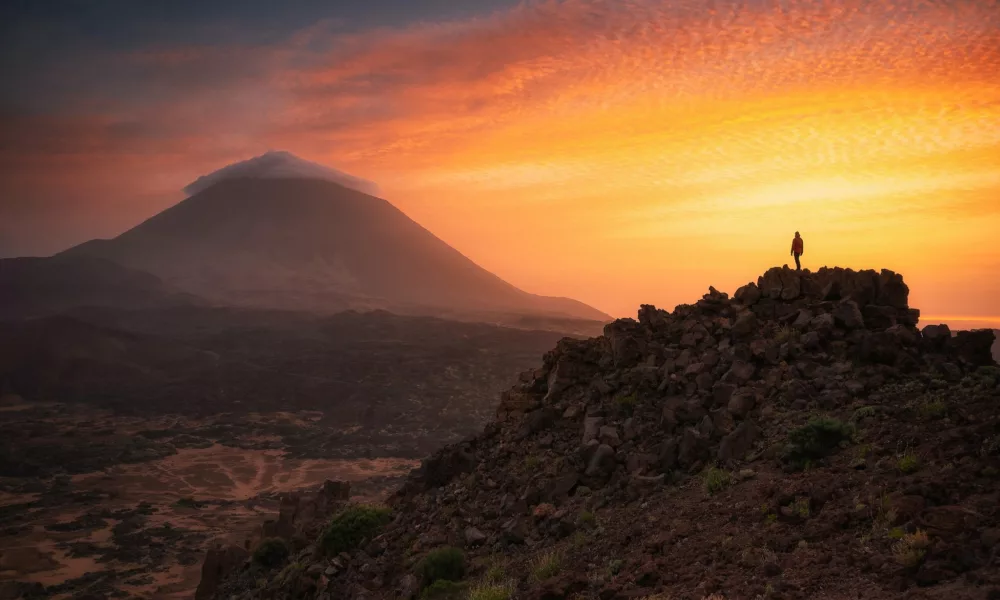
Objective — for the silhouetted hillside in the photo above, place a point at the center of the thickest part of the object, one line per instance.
(803, 439)
(41, 286)
(317, 245)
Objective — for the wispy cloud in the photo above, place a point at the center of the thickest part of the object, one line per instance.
(614, 131)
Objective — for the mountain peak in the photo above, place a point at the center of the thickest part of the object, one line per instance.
(279, 164)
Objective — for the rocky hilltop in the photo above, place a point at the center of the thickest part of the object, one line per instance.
(802, 439)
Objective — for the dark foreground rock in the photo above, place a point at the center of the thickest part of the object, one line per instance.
(803, 439)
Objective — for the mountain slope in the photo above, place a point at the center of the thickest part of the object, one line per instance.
(41, 286)
(316, 244)
(800, 440)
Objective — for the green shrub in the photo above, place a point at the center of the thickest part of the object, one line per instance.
(188, 502)
(444, 589)
(532, 461)
(615, 566)
(864, 412)
(627, 403)
(546, 566)
(587, 518)
(442, 564)
(351, 526)
(816, 439)
(497, 572)
(933, 408)
(908, 463)
(271, 552)
(492, 591)
(716, 480)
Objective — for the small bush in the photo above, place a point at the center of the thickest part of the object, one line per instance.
(909, 551)
(908, 463)
(188, 502)
(587, 518)
(271, 552)
(532, 461)
(497, 572)
(801, 507)
(931, 409)
(716, 480)
(627, 404)
(492, 591)
(546, 566)
(816, 439)
(444, 589)
(350, 527)
(864, 412)
(442, 564)
(615, 566)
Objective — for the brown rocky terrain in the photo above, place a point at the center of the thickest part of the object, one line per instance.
(802, 439)
(132, 440)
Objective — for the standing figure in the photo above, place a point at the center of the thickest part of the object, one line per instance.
(797, 250)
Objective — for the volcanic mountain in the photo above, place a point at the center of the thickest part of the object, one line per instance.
(281, 232)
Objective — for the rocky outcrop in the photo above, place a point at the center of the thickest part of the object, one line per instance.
(636, 425)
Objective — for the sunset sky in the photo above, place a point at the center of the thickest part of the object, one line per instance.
(617, 152)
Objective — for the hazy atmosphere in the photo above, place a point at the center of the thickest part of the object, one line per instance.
(500, 300)
(576, 148)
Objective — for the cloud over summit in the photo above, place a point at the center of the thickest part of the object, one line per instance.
(280, 164)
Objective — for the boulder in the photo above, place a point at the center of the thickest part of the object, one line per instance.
(602, 463)
(848, 315)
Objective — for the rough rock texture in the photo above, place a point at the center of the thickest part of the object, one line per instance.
(661, 458)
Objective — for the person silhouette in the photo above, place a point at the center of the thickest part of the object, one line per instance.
(798, 249)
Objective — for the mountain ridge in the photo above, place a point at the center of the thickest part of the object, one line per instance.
(312, 243)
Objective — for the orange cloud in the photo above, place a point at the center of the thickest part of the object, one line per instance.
(618, 152)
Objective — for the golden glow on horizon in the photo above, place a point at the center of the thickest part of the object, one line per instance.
(637, 151)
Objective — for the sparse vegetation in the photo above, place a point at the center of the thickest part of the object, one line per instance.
(614, 566)
(627, 403)
(492, 591)
(786, 334)
(816, 439)
(547, 565)
(188, 502)
(908, 463)
(864, 412)
(497, 572)
(716, 480)
(532, 461)
(444, 589)
(932, 408)
(910, 550)
(587, 518)
(271, 552)
(350, 527)
(442, 564)
(801, 507)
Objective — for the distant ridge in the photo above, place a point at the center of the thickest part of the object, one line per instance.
(316, 244)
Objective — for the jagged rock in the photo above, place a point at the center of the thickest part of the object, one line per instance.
(219, 562)
(740, 372)
(848, 315)
(748, 295)
(745, 325)
(692, 447)
(474, 537)
(974, 347)
(623, 336)
(735, 445)
(602, 463)
(741, 404)
(936, 336)
(722, 392)
(609, 436)
(592, 428)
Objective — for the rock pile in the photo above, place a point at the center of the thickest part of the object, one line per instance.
(801, 436)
